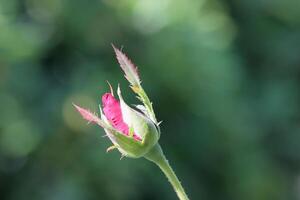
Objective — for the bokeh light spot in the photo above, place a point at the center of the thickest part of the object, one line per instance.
(150, 17)
(19, 138)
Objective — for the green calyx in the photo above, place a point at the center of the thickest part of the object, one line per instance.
(131, 147)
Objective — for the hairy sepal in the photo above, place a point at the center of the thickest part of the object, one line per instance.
(128, 67)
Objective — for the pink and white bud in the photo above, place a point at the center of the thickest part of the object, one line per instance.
(133, 133)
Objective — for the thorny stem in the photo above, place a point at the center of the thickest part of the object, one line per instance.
(157, 156)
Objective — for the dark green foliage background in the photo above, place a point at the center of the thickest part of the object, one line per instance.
(224, 77)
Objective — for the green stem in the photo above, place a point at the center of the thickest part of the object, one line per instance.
(157, 156)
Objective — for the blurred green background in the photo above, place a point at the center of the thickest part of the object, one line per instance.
(224, 77)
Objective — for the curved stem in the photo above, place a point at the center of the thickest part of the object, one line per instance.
(157, 156)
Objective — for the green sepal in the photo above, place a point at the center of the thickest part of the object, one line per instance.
(131, 147)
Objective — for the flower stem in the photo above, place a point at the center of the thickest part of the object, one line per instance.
(157, 156)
